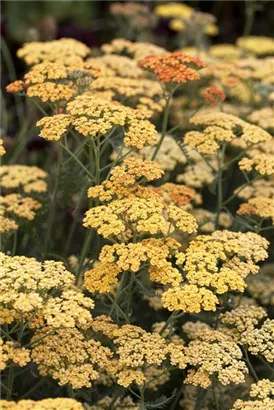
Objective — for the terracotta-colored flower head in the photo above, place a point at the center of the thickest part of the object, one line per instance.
(175, 67)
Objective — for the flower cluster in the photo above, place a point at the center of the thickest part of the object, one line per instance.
(175, 67)
(218, 128)
(95, 116)
(45, 404)
(29, 178)
(65, 50)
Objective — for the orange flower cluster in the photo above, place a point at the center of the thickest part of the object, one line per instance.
(175, 67)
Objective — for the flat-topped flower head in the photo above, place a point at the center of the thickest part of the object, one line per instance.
(137, 50)
(69, 357)
(92, 117)
(29, 178)
(259, 207)
(257, 45)
(214, 353)
(64, 50)
(55, 82)
(261, 397)
(26, 282)
(16, 210)
(45, 404)
(175, 67)
(216, 128)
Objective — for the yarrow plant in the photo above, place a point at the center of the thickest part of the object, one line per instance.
(136, 264)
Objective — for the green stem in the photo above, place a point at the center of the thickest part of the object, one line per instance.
(240, 189)
(214, 383)
(164, 126)
(85, 248)
(142, 398)
(10, 382)
(250, 9)
(113, 301)
(76, 160)
(249, 364)
(52, 210)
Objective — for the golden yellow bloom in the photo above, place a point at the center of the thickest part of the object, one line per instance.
(262, 391)
(263, 388)
(189, 298)
(122, 403)
(111, 65)
(242, 319)
(68, 357)
(65, 50)
(258, 206)
(181, 219)
(263, 164)
(137, 50)
(225, 52)
(102, 277)
(94, 116)
(26, 282)
(260, 341)
(140, 93)
(45, 404)
(219, 128)
(30, 178)
(213, 353)
(14, 206)
(2, 148)
(222, 260)
(11, 352)
(124, 178)
(257, 45)
(173, 10)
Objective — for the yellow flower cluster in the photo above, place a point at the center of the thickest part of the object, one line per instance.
(141, 93)
(219, 128)
(222, 260)
(213, 353)
(2, 148)
(65, 50)
(26, 282)
(67, 356)
(260, 341)
(180, 195)
(111, 65)
(168, 156)
(257, 45)
(136, 50)
(54, 81)
(259, 206)
(263, 164)
(14, 206)
(11, 352)
(70, 309)
(122, 403)
(263, 391)
(45, 404)
(242, 319)
(30, 178)
(124, 179)
(137, 350)
(173, 10)
(95, 116)
(225, 52)
(199, 173)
